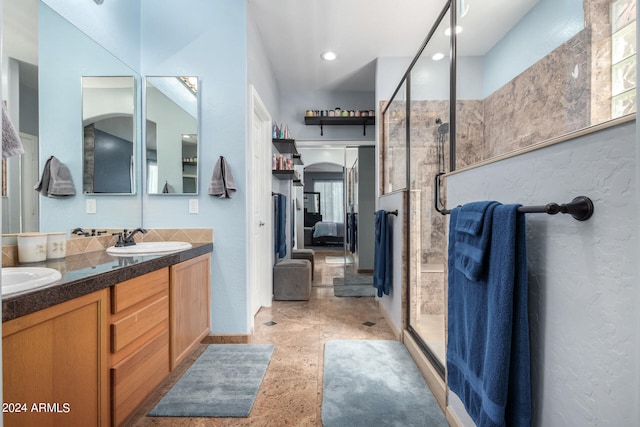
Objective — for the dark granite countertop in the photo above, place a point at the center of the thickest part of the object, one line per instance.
(90, 272)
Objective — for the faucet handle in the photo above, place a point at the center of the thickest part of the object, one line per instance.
(120, 241)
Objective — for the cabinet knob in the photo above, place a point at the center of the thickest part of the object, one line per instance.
(261, 224)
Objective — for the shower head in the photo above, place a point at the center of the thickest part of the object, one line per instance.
(443, 128)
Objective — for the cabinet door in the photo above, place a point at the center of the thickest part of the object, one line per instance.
(189, 318)
(54, 365)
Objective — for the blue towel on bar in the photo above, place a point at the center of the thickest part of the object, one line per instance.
(280, 225)
(488, 357)
(382, 257)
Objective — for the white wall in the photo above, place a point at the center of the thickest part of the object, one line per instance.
(583, 276)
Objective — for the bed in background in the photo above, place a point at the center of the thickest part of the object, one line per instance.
(328, 233)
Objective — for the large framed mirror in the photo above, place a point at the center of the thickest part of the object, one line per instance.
(108, 125)
(171, 135)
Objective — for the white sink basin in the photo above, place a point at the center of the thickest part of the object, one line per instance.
(18, 279)
(148, 248)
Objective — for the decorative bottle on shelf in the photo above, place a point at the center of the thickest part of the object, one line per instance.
(274, 162)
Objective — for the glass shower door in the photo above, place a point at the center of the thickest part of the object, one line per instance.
(428, 154)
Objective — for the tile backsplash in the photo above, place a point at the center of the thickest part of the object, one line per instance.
(80, 245)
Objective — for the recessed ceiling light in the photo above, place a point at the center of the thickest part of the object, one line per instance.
(328, 55)
(447, 32)
(438, 56)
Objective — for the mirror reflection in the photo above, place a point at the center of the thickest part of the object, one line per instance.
(108, 105)
(172, 135)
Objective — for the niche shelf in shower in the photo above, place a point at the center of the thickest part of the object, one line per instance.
(341, 121)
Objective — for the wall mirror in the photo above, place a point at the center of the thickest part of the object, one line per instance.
(45, 58)
(172, 135)
(108, 125)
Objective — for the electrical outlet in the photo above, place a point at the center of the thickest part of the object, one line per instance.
(91, 206)
(193, 206)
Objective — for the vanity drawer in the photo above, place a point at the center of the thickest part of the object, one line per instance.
(129, 293)
(135, 377)
(133, 326)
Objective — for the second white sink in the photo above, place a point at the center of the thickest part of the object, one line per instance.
(148, 248)
(18, 279)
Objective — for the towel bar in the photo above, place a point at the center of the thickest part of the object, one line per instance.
(580, 208)
(391, 212)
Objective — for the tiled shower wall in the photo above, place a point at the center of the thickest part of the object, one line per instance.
(549, 99)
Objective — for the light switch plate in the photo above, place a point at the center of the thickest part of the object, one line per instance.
(193, 206)
(91, 206)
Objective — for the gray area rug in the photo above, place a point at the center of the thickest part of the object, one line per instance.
(375, 383)
(339, 259)
(222, 382)
(354, 286)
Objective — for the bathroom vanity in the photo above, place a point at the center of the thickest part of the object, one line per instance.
(90, 348)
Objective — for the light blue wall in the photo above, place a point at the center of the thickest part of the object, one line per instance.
(583, 276)
(261, 74)
(114, 23)
(162, 37)
(212, 45)
(549, 24)
(65, 55)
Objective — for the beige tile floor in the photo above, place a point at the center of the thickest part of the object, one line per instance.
(291, 392)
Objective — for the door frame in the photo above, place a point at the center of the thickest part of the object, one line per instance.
(260, 276)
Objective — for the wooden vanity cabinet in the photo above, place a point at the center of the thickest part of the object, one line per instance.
(91, 361)
(190, 301)
(139, 340)
(54, 365)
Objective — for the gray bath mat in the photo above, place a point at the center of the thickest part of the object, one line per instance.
(354, 286)
(223, 382)
(375, 383)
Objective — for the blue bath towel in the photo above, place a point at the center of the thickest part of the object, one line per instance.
(280, 225)
(382, 265)
(488, 357)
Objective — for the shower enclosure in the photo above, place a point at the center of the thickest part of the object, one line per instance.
(499, 85)
(415, 150)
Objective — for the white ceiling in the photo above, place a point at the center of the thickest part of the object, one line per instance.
(296, 32)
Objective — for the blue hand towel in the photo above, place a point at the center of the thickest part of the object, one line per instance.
(488, 354)
(473, 232)
(382, 266)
